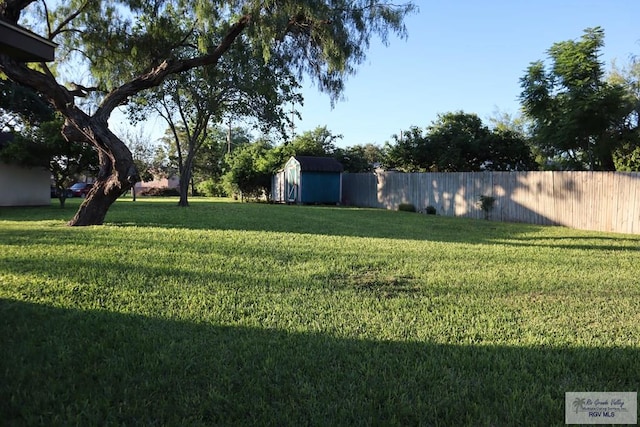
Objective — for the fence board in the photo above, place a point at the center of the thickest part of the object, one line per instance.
(601, 201)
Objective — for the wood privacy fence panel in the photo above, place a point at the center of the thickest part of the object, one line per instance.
(601, 201)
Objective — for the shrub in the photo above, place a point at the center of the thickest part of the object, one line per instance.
(160, 192)
(431, 210)
(486, 204)
(211, 188)
(406, 207)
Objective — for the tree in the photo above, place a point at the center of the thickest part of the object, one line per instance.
(131, 46)
(459, 142)
(249, 171)
(209, 165)
(21, 106)
(574, 109)
(242, 85)
(627, 154)
(143, 152)
(359, 158)
(319, 142)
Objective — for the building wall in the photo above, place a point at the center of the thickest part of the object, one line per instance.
(320, 187)
(171, 182)
(278, 187)
(24, 186)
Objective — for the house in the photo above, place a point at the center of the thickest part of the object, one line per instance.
(170, 182)
(308, 180)
(23, 186)
(24, 45)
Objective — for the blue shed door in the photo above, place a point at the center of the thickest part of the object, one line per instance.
(293, 181)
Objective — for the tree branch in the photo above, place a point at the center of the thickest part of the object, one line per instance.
(82, 91)
(46, 16)
(65, 21)
(10, 9)
(167, 68)
(44, 83)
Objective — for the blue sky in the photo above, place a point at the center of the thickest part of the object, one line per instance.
(463, 55)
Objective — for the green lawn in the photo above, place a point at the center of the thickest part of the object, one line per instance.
(253, 314)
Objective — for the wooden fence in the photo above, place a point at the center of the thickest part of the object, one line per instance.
(601, 201)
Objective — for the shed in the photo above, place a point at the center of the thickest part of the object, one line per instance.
(307, 179)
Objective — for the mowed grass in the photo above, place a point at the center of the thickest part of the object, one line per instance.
(252, 314)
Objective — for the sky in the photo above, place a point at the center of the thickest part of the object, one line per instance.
(464, 55)
(460, 55)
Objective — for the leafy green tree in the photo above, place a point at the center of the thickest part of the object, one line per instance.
(249, 172)
(143, 152)
(627, 154)
(359, 158)
(507, 150)
(319, 142)
(131, 46)
(21, 106)
(458, 142)
(404, 153)
(242, 85)
(209, 165)
(573, 107)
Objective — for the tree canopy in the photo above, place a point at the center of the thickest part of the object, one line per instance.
(576, 112)
(130, 46)
(627, 154)
(458, 142)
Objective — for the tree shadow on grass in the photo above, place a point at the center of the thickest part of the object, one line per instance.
(367, 223)
(331, 221)
(69, 367)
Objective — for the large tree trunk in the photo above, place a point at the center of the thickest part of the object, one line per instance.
(94, 208)
(116, 176)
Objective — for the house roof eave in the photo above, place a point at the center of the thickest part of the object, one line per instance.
(23, 45)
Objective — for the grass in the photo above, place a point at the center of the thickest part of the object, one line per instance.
(252, 314)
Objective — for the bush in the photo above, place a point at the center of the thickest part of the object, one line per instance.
(431, 210)
(159, 192)
(211, 188)
(486, 204)
(406, 207)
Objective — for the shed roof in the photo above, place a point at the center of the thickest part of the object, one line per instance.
(319, 164)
